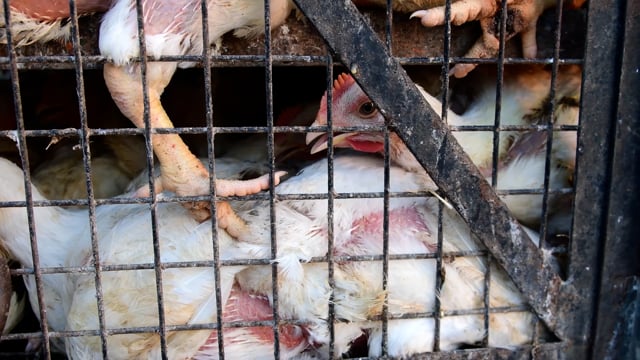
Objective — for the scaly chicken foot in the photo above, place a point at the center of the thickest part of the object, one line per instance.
(201, 210)
(522, 16)
(181, 172)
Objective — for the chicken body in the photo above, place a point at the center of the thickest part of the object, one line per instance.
(521, 155)
(113, 166)
(125, 237)
(40, 21)
(304, 292)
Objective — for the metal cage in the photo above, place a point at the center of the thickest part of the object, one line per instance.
(587, 309)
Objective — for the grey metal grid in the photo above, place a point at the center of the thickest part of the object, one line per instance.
(566, 305)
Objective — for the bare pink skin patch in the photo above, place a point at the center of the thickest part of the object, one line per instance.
(57, 9)
(246, 306)
(403, 224)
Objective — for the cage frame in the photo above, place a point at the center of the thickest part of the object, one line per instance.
(573, 308)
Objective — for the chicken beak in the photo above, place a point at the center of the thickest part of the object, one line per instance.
(322, 143)
(312, 136)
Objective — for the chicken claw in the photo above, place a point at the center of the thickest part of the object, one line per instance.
(227, 218)
(461, 12)
(201, 210)
(522, 16)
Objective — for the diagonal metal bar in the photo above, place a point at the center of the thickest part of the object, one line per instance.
(356, 45)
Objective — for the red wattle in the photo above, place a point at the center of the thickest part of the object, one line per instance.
(366, 146)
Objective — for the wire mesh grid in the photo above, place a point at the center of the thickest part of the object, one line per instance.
(80, 62)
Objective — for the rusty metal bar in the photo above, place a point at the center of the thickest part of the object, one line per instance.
(268, 79)
(549, 122)
(357, 46)
(211, 132)
(446, 46)
(86, 159)
(60, 62)
(21, 142)
(331, 194)
(595, 138)
(617, 333)
(72, 132)
(157, 259)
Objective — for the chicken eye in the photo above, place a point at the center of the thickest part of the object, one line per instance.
(367, 109)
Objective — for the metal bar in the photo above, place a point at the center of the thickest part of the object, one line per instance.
(549, 123)
(446, 64)
(86, 158)
(210, 263)
(211, 132)
(157, 259)
(617, 329)
(385, 247)
(21, 141)
(595, 137)
(437, 307)
(382, 78)
(268, 64)
(495, 156)
(331, 194)
(96, 62)
(72, 132)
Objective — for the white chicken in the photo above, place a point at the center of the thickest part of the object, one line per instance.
(125, 237)
(358, 295)
(113, 166)
(521, 155)
(130, 300)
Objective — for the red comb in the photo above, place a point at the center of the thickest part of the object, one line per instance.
(341, 84)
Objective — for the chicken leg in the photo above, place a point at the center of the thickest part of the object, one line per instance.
(181, 171)
(175, 27)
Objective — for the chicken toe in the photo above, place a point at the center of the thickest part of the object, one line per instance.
(230, 221)
(189, 185)
(522, 16)
(461, 12)
(227, 218)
